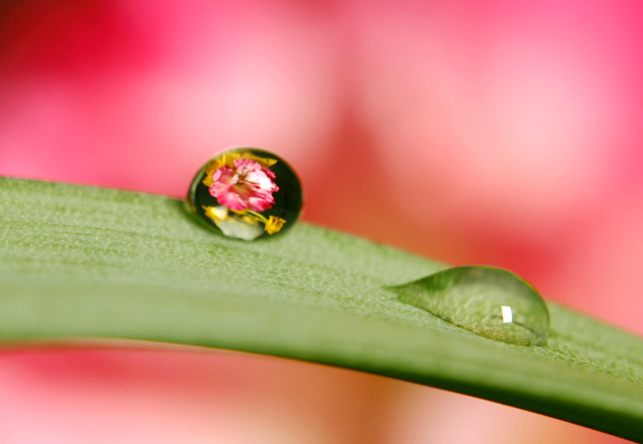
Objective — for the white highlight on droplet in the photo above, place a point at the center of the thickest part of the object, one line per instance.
(507, 315)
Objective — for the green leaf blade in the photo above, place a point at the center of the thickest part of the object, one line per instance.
(81, 261)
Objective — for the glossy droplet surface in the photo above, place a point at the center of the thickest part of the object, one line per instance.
(489, 301)
(246, 193)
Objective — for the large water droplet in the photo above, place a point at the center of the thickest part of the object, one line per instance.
(246, 193)
(489, 301)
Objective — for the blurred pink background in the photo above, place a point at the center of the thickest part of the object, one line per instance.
(498, 132)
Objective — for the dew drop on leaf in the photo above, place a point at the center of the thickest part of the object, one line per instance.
(489, 301)
(246, 193)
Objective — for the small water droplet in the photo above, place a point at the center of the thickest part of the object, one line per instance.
(246, 193)
(489, 301)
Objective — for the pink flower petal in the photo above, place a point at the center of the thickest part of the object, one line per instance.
(246, 186)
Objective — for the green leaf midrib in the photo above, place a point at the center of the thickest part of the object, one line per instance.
(83, 261)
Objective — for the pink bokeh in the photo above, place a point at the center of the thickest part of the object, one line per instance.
(503, 133)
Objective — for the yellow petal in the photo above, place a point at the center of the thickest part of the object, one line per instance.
(274, 224)
(214, 165)
(216, 213)
(263, 161)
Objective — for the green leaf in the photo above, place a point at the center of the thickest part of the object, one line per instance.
(81, 261)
